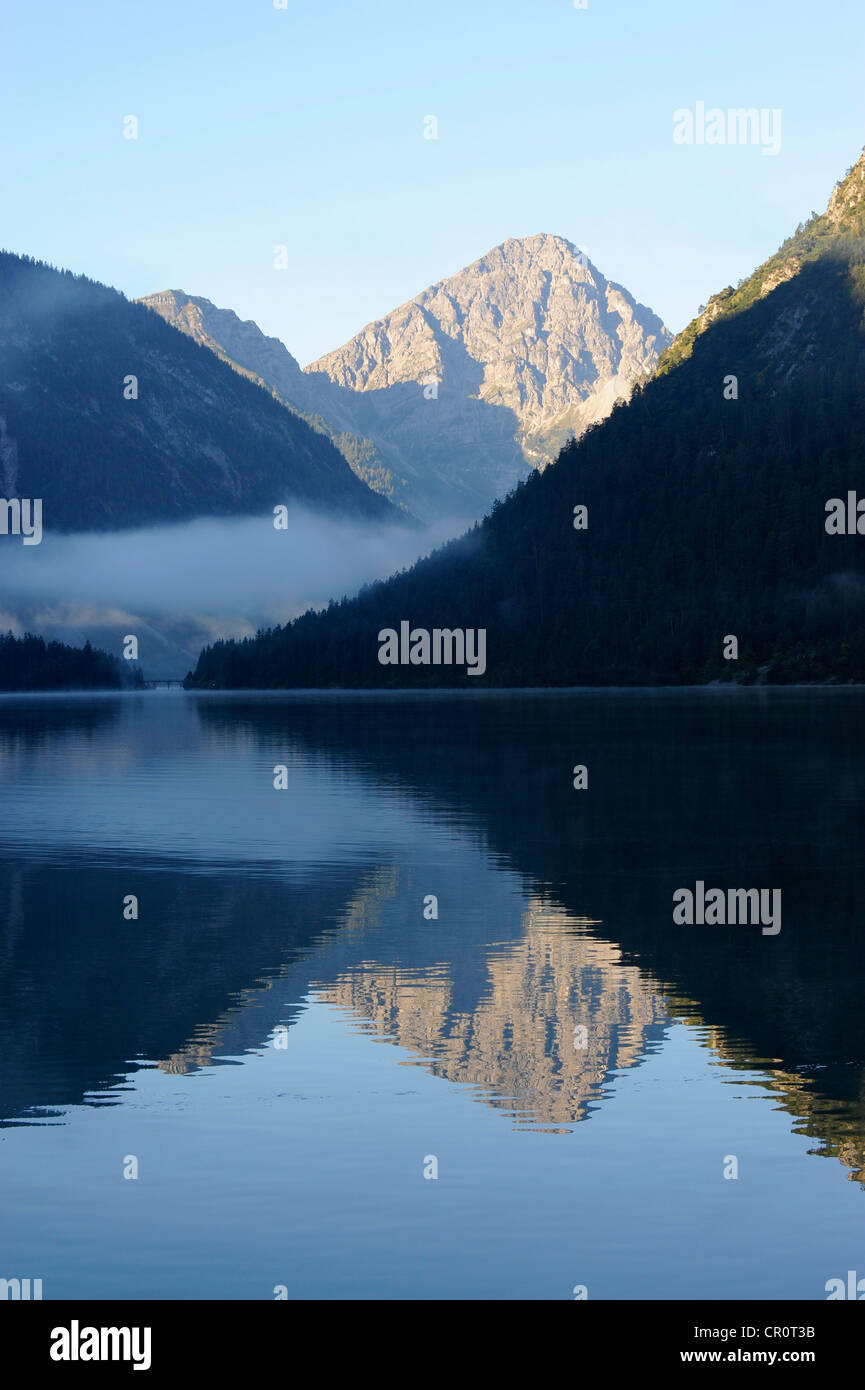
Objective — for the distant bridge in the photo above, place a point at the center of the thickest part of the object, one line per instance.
(168, 681)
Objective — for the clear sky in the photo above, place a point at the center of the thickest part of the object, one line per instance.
(304, 127)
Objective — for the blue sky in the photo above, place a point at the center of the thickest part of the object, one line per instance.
(304, 127)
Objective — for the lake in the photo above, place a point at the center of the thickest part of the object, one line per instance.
(418, 1022)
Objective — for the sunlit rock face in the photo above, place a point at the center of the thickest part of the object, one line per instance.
(559, 1015)
(445, 403)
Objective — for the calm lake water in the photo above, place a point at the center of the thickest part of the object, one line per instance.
(286, 1040)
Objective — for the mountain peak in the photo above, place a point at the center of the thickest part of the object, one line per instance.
(170, 303)
(543, 251)
(538, 242)
(221, 330)
(446, 402)
(531, 327)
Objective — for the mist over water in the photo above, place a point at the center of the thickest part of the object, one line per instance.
(179, 587)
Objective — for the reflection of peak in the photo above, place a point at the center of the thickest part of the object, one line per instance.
(519, 1042)
(520, 1046)
(365, 908)
(782, 1014)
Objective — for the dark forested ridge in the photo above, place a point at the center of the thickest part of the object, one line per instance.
(197, 440)
(707, 517)
(31, 663)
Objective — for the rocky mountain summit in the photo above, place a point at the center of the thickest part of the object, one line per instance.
(532, 327)
(449, 400)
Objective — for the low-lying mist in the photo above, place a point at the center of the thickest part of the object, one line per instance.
(179, 587)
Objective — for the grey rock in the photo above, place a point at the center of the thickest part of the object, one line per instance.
(452, 398)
